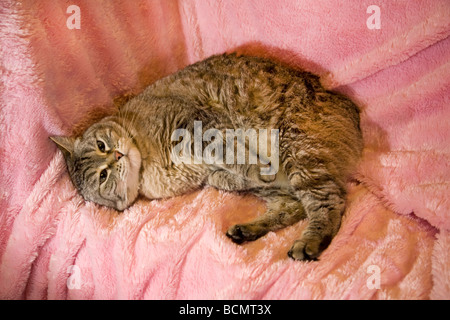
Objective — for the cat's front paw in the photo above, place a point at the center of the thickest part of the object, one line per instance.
(241, 232)
(308, 248)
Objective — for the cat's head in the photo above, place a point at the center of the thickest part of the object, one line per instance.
(103, 164)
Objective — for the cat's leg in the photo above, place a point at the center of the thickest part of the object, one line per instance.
(239, 177)
(226, 180)
(323, 200)
(282, 210)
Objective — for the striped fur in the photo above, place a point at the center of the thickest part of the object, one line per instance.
(319, 144)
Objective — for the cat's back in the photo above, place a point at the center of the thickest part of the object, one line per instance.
(244, 73)
(258, 92)
(247, 85)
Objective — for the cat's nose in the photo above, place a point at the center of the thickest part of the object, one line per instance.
(117, 155)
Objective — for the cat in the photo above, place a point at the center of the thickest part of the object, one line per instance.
(319, 144)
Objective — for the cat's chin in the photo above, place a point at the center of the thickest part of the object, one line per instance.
(132, 194)
(134, 157)
(121, 205)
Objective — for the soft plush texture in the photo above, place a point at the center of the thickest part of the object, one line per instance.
(54, 245)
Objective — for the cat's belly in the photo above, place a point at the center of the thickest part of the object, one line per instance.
(158, 183)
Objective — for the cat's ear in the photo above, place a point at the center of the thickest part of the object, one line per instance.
(65, 144)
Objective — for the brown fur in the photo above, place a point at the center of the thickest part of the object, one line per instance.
(319, 145)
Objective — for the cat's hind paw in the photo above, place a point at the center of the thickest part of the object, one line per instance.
(240, 233)
(303, 250)
(308, 249)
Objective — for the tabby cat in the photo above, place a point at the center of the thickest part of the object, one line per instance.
(319, 143)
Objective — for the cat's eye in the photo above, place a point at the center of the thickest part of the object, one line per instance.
(103, 175)
(101, 146)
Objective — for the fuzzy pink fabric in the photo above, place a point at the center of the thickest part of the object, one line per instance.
(394, 242)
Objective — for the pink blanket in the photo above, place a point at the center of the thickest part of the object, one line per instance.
(394, 242)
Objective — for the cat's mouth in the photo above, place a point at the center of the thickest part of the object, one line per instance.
(125, 151)
(131, 159)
